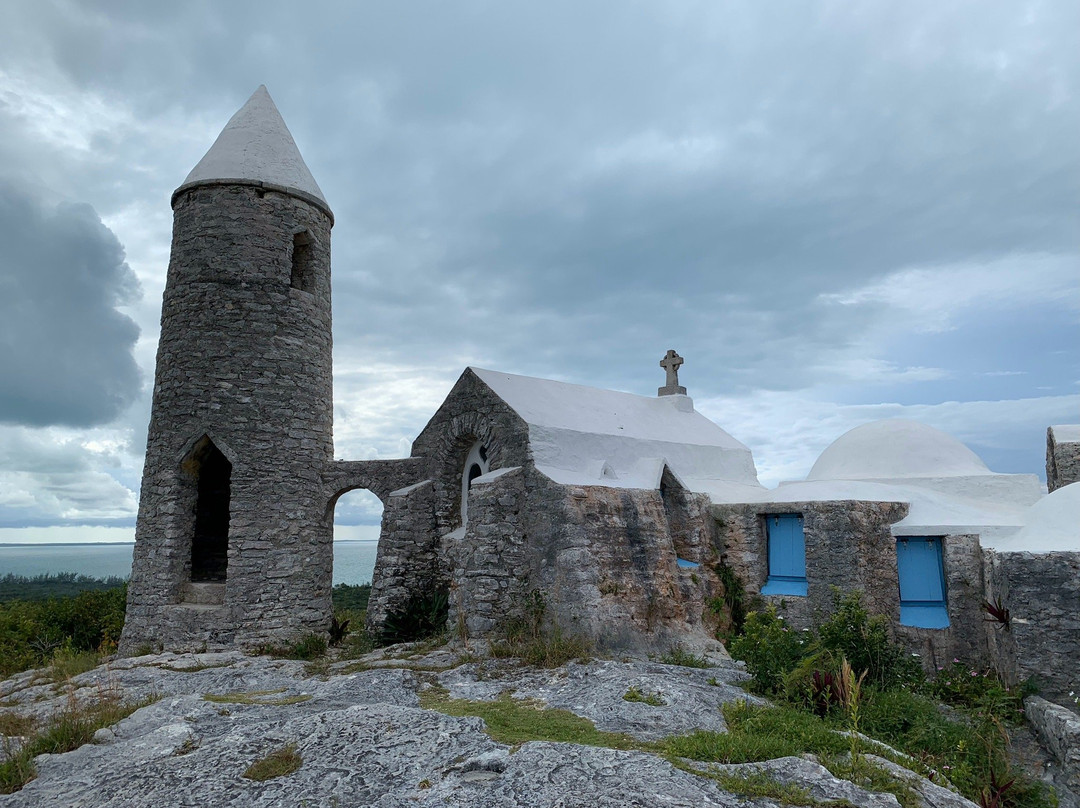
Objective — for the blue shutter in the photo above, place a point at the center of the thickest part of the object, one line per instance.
(787, 555)
(921, 572)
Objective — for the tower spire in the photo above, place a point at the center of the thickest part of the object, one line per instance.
(256, 146)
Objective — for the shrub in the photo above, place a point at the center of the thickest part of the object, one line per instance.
(964, 686)
(31, 631)
(851, 632)
(422, 616)
(814, 683)
(350, 597)
(770, 649)
(731, 606)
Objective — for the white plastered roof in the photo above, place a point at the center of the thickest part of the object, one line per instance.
(256, 145)
(1053, 524)
(587, 436)
(948, 488)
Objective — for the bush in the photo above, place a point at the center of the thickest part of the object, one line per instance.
(421, 616)
(349, 597)
(864, 640)
(769, 648)
(31, 631)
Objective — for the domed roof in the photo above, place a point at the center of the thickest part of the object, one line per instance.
(1052, 524)
(896, 449)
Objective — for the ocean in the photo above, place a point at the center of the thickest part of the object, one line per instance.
(354, 560)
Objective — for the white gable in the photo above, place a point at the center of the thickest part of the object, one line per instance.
(587, 436)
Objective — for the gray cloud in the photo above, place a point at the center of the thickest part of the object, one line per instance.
(65, 349)
(567, 190)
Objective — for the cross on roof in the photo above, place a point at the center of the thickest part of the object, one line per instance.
(671, 363)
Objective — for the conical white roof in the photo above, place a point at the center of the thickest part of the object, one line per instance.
(256, 145)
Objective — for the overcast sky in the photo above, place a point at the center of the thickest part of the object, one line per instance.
(835, 211)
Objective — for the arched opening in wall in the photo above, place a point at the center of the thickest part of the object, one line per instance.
(303, 270)
(357, 524)
(212, 473)
(476, 464)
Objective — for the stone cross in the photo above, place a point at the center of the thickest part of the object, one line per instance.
(671, 363)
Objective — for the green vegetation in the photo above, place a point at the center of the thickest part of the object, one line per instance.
(53, 585)
(680, 656)
(65, 731)
(278, 763)
(644, 697)
(420, 617)
(265, 697)
(760, 733)
(349, 597)
(61, 630)
(516, 721)
(847, 676)
(310, 646)
(528, 636)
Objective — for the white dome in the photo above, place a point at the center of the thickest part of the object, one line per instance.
(1053, 524)
(896, 449)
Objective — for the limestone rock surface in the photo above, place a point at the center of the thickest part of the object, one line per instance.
(365, 741)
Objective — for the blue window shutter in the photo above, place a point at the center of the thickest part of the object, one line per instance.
(787, 555)
(921, 572)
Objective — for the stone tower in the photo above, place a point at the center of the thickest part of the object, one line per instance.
(232, 546)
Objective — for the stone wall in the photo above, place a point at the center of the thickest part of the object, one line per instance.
(1062, 460)
(1042, 593)
(604, 561)
(470, 413)
(850, 546)
(245, 360)
(409, 557)
(1059, 730)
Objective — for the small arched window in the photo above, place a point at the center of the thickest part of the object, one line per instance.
(476, 464)
(303, 270)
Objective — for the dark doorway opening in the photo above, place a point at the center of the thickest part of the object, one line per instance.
(210, 542)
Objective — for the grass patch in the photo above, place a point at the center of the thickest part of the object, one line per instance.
(256, 697)
(680, 656)
(515, 721)
(546, 649)
(15, 724)
(644, 697)
(67, 663)
(759, 733)
(65, 731)
(757, 785)
(278, 763)
(311, 646)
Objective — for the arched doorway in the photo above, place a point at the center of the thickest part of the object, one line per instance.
(357, 523)
(211, 473)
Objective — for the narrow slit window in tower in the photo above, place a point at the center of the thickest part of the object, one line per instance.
(303, 273)
(210, 542)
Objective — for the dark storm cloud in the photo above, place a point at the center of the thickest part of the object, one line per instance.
(65, 350)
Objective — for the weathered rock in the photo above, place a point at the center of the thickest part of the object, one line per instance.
(595, 691)
(364, 740)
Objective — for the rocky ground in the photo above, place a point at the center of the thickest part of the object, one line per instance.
(364, 739)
